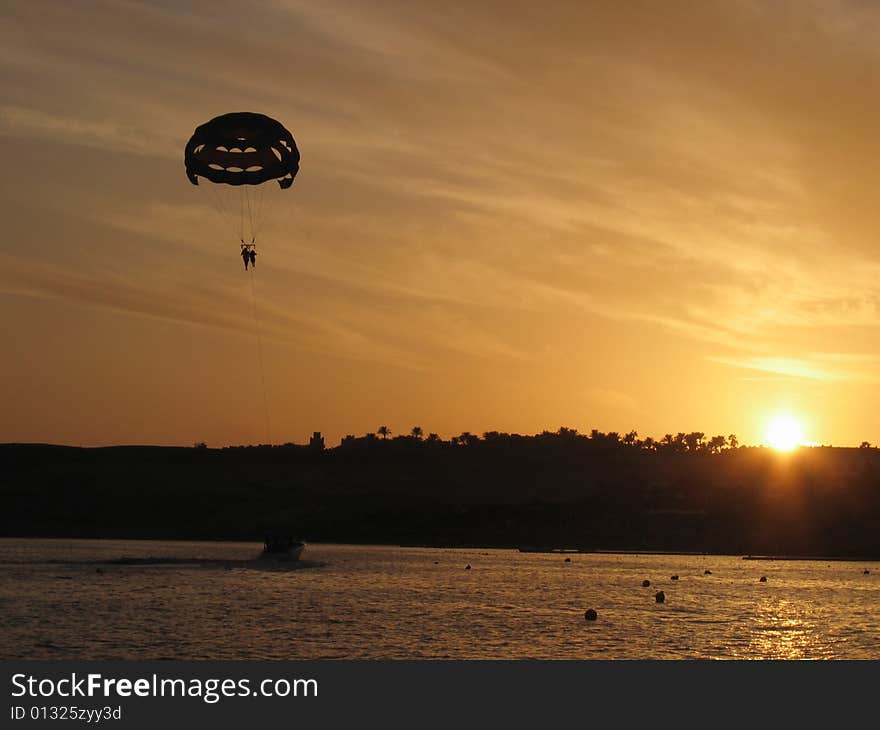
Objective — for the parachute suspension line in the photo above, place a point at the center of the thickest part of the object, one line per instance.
(259, 209)
(268, 203)
(259, 197)
(242, 193)
(217, 202)
(260, 356)
(250, 209)
(246, 209)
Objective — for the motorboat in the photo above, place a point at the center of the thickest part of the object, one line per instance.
(283, 547)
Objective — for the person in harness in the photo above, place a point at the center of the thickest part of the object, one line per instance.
(249, 254)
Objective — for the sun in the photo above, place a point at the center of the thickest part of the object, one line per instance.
(784, 433)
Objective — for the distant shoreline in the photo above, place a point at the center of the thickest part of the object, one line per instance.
(525, 550)
(547, 493)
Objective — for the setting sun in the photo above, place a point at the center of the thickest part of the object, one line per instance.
(784, 433)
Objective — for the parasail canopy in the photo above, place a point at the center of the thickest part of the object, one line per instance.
(242, 148)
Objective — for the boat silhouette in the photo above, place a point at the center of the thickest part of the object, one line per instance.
(282, 547)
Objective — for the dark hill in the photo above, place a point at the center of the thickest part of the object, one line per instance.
(551, 490)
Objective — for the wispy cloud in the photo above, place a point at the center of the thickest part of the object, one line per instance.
(611, 399)
(67, 129)
(822, 367)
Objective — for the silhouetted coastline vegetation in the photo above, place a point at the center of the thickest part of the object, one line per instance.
(563, 489)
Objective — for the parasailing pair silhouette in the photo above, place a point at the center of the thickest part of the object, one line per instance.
(241, 157)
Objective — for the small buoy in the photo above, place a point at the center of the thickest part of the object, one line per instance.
(674, 577)
(646, 583)
(707, 572)
(590, 615)
(660, 596)
(467, 567)
(762, 579)
(568, 560)
(98, 570)
(866, 572)
(436, 562)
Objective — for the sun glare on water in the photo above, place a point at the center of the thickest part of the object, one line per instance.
(784, 433)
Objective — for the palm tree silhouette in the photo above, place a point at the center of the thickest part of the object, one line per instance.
(417, 433)
(384, 432)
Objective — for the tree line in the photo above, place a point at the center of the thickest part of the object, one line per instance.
(694, 441)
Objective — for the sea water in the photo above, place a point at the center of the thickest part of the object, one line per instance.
(110, 599)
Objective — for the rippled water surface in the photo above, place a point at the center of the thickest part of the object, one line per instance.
(129, 599)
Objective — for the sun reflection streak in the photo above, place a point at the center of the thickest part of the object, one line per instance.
(783, 629)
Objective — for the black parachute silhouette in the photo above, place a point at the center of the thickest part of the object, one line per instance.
(243, 150)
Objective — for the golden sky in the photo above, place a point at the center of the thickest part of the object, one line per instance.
(659, 216)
